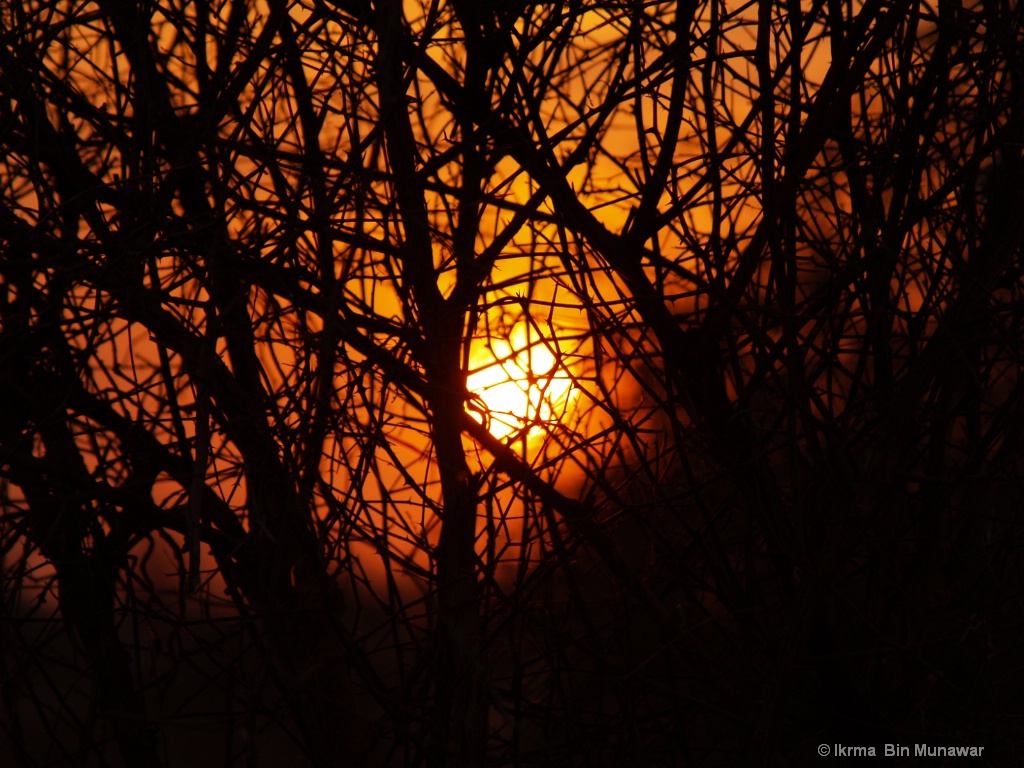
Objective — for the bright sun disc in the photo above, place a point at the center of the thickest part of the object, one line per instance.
(520, 384)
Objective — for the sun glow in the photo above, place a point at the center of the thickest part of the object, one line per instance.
(521, 384)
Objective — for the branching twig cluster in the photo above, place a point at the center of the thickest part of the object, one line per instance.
(765, 493)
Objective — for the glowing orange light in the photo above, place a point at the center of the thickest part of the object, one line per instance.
(521, 384)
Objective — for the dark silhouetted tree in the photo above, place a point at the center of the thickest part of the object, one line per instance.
(464, 383)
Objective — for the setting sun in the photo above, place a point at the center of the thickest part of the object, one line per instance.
(444, 384)
(521, 384)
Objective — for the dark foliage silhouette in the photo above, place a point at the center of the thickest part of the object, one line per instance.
(588, 383)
